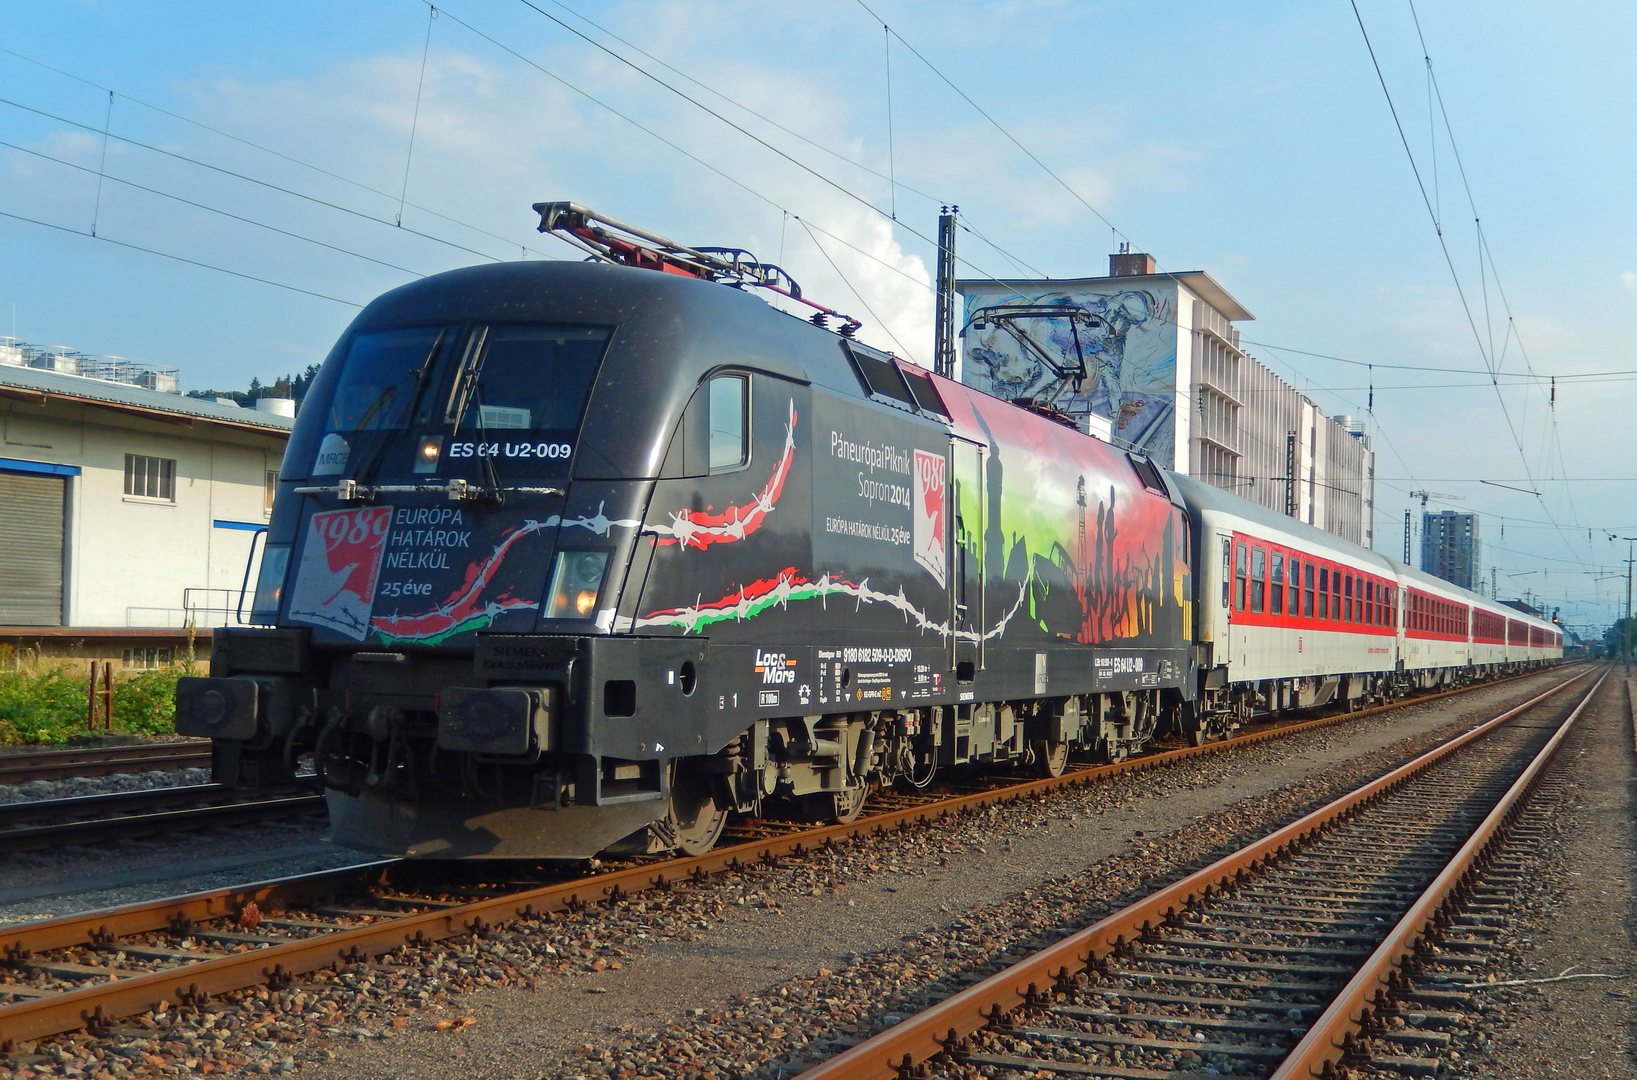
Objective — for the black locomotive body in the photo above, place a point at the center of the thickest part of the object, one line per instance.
(567, 556)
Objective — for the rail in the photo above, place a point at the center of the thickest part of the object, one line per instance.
(99, 1004)
(20, 768)
(902, 1050)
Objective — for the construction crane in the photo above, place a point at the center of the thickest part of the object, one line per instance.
(1424, 495)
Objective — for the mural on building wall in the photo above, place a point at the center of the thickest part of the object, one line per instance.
(1131, 360)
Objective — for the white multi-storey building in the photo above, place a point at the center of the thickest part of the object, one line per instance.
(125, 507)
(1159, 360)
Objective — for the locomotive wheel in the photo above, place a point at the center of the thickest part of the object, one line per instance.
(1050, 758)
(839, 807)
(695, 818)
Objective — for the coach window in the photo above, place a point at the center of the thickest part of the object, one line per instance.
(1239, 577)
(729, 427)
(1347, 610)
(1324, 591)
(1258, 578)
(1276, 599)
(1369, 602)
(1307, 594)
(1295, 587)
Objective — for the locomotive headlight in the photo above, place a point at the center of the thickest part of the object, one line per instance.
(428, 453)
(576, 582)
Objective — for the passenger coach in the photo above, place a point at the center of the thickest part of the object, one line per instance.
(1291, 616)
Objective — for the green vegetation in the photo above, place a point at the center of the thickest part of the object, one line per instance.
(43, 703)
(287, 386)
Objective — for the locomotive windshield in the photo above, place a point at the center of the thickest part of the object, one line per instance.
(381, 375)
(511, 392)
(526, 379)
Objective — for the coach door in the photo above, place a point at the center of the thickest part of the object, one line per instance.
(966, 559)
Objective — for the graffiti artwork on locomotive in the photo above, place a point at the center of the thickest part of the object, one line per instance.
(570, 557)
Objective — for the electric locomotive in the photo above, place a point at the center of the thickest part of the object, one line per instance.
(568, 557)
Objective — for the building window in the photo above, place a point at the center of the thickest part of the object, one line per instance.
(270, 490)
(150, 477)
(147, 658)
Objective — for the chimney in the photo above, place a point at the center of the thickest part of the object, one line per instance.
(1128, 263)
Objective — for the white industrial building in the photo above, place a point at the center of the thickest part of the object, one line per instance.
(1156, 357)
(125, 507)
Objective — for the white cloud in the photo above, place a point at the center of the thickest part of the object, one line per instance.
(1629, 280)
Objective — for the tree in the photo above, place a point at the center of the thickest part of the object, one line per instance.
(1620, 638)
(285, 386)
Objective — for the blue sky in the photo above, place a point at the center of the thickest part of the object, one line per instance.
(1253, 142)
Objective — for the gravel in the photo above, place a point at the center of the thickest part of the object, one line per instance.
(75, 786)
(757, 973)
(1576, 914)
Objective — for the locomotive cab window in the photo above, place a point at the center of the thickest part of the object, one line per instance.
(381, 376)
(527, 378)
(729, 401)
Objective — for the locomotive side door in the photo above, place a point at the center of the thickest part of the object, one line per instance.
(966, 558)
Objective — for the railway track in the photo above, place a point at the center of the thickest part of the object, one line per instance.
(90, 970)
(1326, 946)
(89, 819)
(18, 768)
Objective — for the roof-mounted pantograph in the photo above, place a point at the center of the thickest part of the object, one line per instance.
(608, 240)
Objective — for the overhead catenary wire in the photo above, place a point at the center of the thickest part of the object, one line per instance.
(250, 179)
(690, 155)
(892, 164)
(319, 169)
(1485, 253)
(102, 162)
(179, 258)
(891, 178)
(1443, 244)
(828, 181)
(213, 209)
(998, 126)
(415, 119)
(844, 280)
